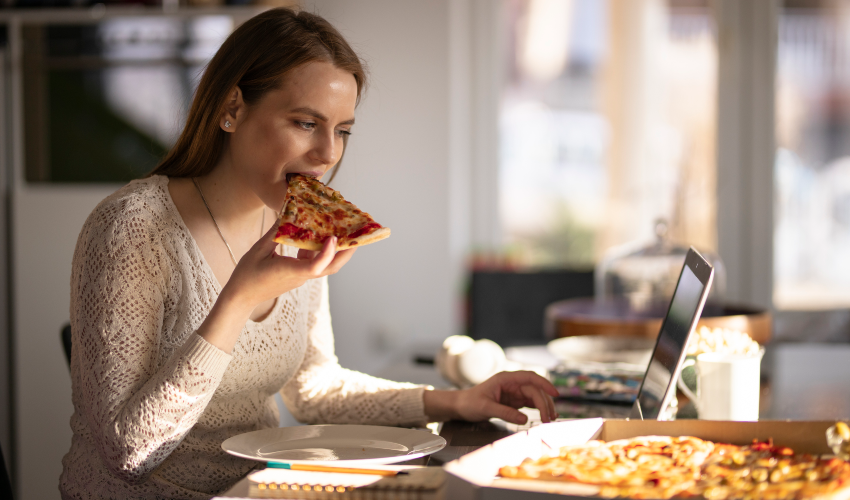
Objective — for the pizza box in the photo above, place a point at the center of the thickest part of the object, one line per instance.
(474, 476)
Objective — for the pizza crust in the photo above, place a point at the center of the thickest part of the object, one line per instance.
(641, 440)
(366, 239)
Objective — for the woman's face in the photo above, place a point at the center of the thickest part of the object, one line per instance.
(298, 127)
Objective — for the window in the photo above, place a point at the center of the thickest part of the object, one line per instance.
(607, 123)
(100, 98)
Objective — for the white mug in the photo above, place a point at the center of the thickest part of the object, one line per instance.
(728, 386)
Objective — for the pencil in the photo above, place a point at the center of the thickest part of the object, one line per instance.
(325, 468)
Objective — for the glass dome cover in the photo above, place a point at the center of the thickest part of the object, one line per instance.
(646, 276)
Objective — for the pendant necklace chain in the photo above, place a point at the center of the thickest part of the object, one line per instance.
(232, 257)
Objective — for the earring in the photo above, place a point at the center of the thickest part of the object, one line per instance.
(226, 123)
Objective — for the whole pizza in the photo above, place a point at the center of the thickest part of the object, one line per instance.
(313, 212)
(689, 467)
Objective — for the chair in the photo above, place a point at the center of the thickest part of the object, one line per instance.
(65, 335)
(5, 481)
(507, 307)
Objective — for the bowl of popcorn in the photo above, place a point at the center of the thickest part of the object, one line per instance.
(721, 340)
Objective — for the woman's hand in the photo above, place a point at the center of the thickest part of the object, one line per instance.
(261, 275)
(499, 396)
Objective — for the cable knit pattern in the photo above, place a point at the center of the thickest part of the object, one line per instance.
(152, 400)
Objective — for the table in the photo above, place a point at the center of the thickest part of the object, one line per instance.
(461, 438)
(807, 382)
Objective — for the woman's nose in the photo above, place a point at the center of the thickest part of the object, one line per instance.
(325, 149)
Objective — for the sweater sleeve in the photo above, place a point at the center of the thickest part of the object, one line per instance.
(322, 391)
(138, 406)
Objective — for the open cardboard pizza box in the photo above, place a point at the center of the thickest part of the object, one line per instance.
(474, 476)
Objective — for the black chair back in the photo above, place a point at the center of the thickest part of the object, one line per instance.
(507, 307)
(66, 342)
(5, 481)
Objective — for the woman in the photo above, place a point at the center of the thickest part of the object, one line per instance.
(187, 317)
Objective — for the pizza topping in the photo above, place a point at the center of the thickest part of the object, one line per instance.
(295, 232)
(368, 228)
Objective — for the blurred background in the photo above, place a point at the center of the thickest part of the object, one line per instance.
(517, 141)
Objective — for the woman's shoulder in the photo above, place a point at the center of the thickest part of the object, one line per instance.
(138, 197)
(142, 208)
(140, 201)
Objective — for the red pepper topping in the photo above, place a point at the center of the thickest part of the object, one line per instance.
(295, 232)
(368, 228)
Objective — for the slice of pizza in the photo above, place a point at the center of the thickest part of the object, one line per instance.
(313, 212)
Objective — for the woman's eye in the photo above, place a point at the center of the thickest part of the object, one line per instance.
(343, 133)
(306, 125)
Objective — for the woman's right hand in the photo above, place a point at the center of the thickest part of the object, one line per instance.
(262, 275)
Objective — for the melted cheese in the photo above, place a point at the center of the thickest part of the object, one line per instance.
(313, 206)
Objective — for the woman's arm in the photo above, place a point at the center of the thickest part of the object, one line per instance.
(321, 391)
(324, 392)
(263, 274)
(136, 410)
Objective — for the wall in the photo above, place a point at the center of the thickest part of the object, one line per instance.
(746, 147)
(46, 222)
(401, 291)
(5, 333)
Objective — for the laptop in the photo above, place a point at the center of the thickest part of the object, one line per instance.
(658, 386)
(659, 382)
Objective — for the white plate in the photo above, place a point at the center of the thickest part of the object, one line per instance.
(338, 444)
(603, 349)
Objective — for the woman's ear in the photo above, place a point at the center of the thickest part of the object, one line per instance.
(234, 109)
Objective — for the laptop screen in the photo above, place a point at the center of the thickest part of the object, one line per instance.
(682, 315)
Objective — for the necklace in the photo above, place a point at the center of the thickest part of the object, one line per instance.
(232, 257)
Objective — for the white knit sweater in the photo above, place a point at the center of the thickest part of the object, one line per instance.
(153, 401)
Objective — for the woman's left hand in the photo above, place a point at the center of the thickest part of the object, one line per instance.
(499, 396)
